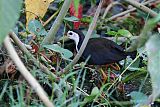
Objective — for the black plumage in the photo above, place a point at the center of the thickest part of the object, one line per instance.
(100, 50)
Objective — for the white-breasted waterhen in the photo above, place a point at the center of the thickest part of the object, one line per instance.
(100, 50)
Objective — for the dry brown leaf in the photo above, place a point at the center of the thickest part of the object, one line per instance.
(10, 67)
(36, 8)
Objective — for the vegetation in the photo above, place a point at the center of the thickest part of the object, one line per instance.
(39, 66)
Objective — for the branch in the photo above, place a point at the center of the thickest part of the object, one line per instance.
(52, 32)
(29, 55)
(91, 27)
(48, 20)
(57, 91)
(30, 79)
(109, 7)
(121, 39)
(128, 11)
(141, 7)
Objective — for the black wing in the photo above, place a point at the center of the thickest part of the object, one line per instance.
(103, 51)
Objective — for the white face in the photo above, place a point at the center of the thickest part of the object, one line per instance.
(74, 36)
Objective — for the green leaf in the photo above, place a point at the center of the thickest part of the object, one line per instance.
(86, 19)
(91, 97)
(113, 33)
(138, 97)
(66, 54)
(95, 91)
(37, 28)
(9, 10)
(124, 33)
(153, 52)
(71, 19)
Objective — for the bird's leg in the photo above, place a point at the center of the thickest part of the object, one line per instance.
(104, 76)
(113, 66)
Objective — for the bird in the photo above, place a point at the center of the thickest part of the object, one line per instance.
(100, 51)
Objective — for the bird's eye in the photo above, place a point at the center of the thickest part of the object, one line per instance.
(70, 33)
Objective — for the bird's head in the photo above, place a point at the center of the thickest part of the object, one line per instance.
(73, 35)
(77, 36)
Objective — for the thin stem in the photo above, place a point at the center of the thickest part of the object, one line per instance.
(27, 75)
(141, 7)
(91, 27)
(109, 7)
(29, 55)
(52, 32)
(46, 22)
(123, 73)
(37, 63)
(128, 11)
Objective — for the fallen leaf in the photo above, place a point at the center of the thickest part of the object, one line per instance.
(36, 8)
(10, 67)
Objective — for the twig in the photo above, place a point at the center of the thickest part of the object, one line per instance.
(91, 27)
(141, 7)
(46, 22)
(80, 90)
(30, 79)
(52, 32)
(128, 11)
(121, 14)
(121, 39)
(29, 55)
(36, 62)
(109, 7)
(58, 92)
(140, 41)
